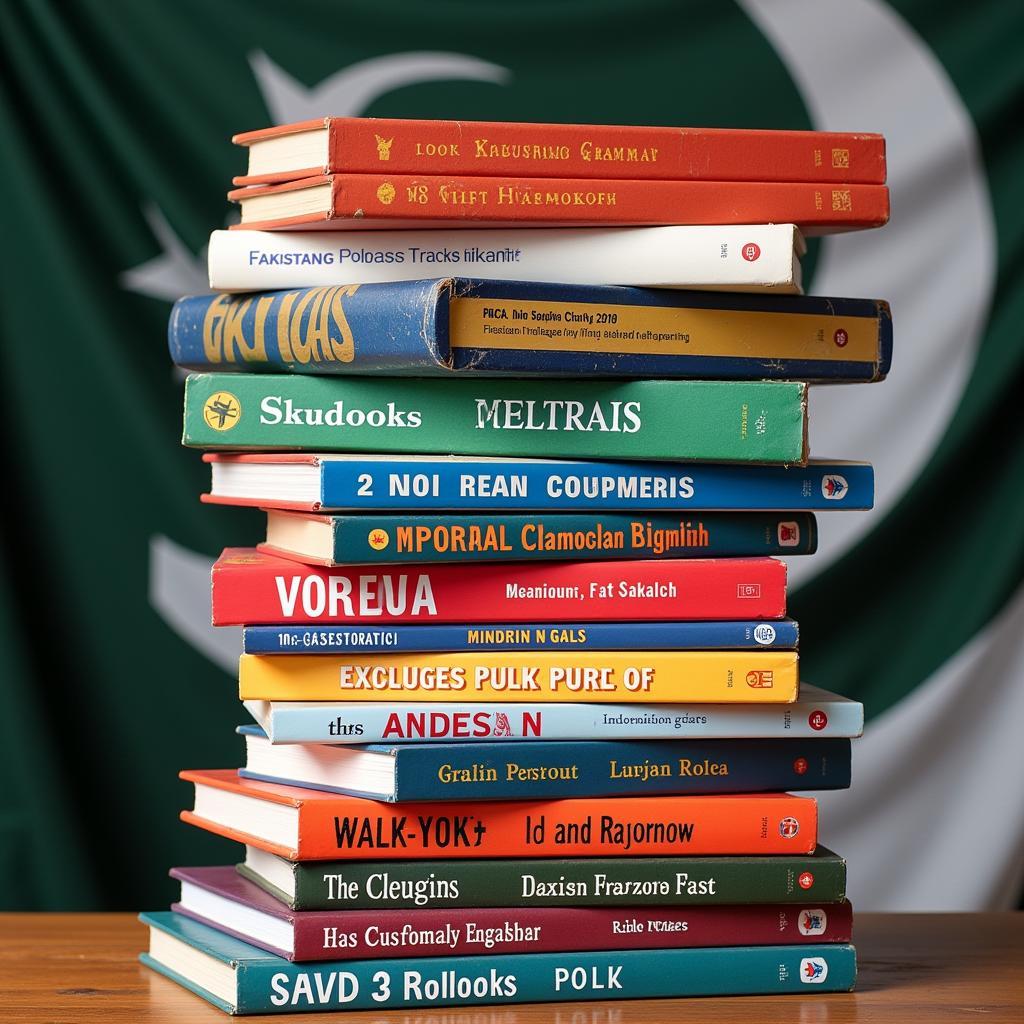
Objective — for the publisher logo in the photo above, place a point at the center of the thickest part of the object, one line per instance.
(751, 251)
(834, 487)
(748, 590)
(764, 634)
(386, 193)
(817, 720)
(840, 337)
(800, 766)
(760, 680)
(789, 534)
(378, 539)
(812, 922)
(384, 147)
(788, 828)
(806, 880)
(813, 970)
(221, 411)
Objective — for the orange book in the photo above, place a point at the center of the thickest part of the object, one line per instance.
(306, 824)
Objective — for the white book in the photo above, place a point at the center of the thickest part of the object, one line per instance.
(737, 258)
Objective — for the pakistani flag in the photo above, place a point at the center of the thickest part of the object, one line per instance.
(115, 161)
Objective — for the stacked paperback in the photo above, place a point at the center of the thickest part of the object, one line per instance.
(527, 721)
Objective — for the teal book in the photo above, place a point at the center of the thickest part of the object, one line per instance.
(242, 979)
(703, 421)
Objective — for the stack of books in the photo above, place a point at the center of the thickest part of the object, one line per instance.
(528, 717)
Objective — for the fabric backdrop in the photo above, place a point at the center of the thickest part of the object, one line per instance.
(115, 159)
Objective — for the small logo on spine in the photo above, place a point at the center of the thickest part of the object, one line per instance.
(502, 727)
(751, 251)
(813, 970)
(222, 411)
(386, 193)
(840, 337)
(788, 828)
(806, 880)
(800, 766)
(834, 487)
(378, 539)
(383, 147)
(789, 534)
(764, 634)
(812, 922)
(761, 679)
(748, 590)
(817, 720)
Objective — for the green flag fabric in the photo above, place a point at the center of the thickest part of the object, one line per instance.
(116, 118)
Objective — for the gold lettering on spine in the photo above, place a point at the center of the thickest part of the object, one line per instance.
(224, 332)
(300, 345)
(343, 345)
(284, 316)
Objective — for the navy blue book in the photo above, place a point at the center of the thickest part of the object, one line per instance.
(497, 328)
(526, 770)
(240, 979)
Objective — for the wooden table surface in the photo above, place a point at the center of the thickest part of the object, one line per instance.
(71, 968)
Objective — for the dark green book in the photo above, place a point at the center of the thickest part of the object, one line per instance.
(590, 882)
(712, 421)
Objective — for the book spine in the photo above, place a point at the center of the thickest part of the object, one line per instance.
(526, 676)
(498, 538)
(367, 484)
(545, 977)
(595, 636)
(400, 328)
(754, 257)
(250, 589)
(755, 421)
(581, 882)
(358, 200)
(353, 722)
(493, 932)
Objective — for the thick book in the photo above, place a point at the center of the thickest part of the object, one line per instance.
(363, 145)
(461, 327)
(578, 882)
(367, 483)
(307, 824)
(546, 771)
(241, 979)
(706, 421)
(251, 588)
(380, 201)
(733, 257)
(223, 899)
(782, 634)
(814, 713)
(649, 677)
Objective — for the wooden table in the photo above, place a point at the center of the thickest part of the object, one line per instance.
(71, 968)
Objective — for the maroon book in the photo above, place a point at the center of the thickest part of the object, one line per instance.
(223, 899)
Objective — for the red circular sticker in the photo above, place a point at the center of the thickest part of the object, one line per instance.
(817, 720)
(751, 251)
(840, 337)
(800, 765)
(806, 880)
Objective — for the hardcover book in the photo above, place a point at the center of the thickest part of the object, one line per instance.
(814, 713)
(222, 898)
(732, 257)
(743, 677)
(473, 328)
(363, 145)
(383, 200)
(782, 634)
(240, 978)
(306, 824)
(344, 540)
(250, 588)
(547, 771)
(742, 421)
(420, 483)
(818, 877)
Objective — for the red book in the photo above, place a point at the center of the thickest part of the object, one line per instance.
(367, 145)
(364, 201)
(222, 898)
(250, 587)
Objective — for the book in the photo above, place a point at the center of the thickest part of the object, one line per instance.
(380, 201)
(458, 326)
(251, 588)
(319, 539)
(367, 144)
(743, 677)
(814, 713)
(225, 900)
(306, 824)
(241, 979)
(593, 636)
(742, 421)
(400, 773)
(735, 257)
(549, 882)
(375, 483)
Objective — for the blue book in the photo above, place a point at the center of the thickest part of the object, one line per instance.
(495, 328)
(518, 770)
(779, 634)
(463, 483)
(239, 978)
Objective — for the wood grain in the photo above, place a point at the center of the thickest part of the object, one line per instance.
(72, 968)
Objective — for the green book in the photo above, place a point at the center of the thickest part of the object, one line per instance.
(714, 421)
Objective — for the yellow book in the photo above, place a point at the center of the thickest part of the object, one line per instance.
(622, 677)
